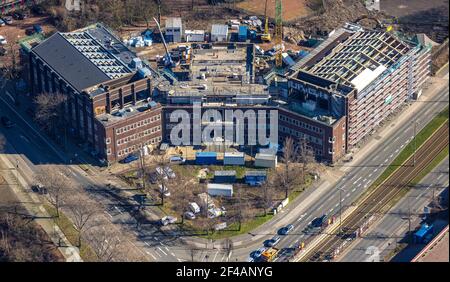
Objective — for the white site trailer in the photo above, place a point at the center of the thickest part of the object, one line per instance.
(220, 189)
(266, 160)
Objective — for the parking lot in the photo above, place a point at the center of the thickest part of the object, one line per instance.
(16, 30)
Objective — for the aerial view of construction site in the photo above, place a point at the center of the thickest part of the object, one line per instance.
(224, 131)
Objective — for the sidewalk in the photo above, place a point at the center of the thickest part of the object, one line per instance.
(34, 207)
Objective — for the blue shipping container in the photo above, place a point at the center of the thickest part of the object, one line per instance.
(255, 178)
(206, 158)
(225, 176)
(243, 33)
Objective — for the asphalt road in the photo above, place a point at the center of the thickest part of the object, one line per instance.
(392, 228)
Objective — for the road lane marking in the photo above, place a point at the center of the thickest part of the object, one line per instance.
(354, 189)
(214, 259)
(118, 209)
(375, 170)
(147, 244)
(370, 175)
(162, 251)
(172, 254)
(391, 155)
(109, 214)
(151, 255)
(396, 151)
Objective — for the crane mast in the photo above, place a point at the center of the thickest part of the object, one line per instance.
(279, 33)
(266, 36)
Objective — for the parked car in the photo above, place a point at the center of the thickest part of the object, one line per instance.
(129, 159)
(39, 188)
(8, 19)
(164, 190)
(19, 16)
(2, 22)
(166, 172)
(3, 51)
(3, 40)
(250, 259)
(30, 31)
(7, 122)
(194, 207)
(177, 160)
(189, 215)
(285, 230)
(37, 28)
(168, 220)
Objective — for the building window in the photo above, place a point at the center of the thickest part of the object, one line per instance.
(108, 140)
(108, 152)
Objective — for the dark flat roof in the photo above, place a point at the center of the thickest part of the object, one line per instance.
(69, 63)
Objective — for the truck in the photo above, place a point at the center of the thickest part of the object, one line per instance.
(269, 254)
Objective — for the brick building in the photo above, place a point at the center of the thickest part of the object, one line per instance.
(109, 90)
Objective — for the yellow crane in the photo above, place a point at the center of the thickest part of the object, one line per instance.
(266, 35)
(279, 34)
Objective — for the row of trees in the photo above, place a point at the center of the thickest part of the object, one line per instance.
(63, 193)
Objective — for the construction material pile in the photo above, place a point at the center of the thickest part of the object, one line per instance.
(336, 13)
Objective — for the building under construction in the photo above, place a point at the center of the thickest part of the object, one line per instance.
(357, 78)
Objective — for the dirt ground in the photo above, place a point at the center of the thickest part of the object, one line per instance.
(401, 8)
(292, 9)
(16, 30)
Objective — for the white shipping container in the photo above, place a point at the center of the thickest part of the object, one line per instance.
(220, 190)
(265, 160)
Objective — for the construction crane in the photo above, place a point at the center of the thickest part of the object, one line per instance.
(266, 35)
(169, 61)
(279, 34)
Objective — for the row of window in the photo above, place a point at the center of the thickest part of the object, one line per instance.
(139, 135)
(137, 124)
(134, 148)
(299, 134)
(301, 124)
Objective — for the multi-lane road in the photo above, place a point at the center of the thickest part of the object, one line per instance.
(382, 239)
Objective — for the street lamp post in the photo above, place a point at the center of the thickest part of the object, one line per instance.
(340, 209)
(415, 142)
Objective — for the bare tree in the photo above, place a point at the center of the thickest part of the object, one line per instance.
(182, 194)
(57, 183)
(82, 213)
(11, 68)
(267, 195)
(288, 176)
(105, 244)
(51, 113)
(306, 157)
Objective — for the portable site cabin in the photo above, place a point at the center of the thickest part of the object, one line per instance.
(219, 33)
(265, 160)
(234, 158)
(255, 177)
(174, 29)
(206, 158)
(194, 35)
(225, 176)
(220, 189)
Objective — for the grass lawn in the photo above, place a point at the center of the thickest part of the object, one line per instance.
(233, 230)
(66, 226)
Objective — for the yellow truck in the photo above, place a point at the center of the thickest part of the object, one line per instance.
(269, 254)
